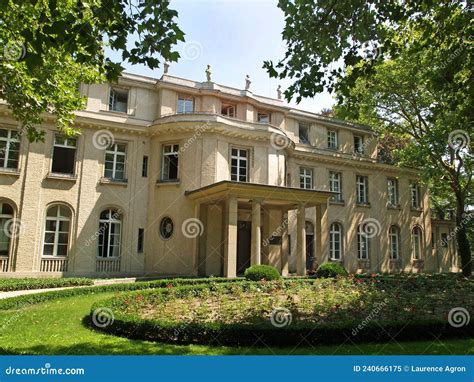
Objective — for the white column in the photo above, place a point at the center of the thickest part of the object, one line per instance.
(230, 243)
(256, 244)
(285, 249)
(301, 241)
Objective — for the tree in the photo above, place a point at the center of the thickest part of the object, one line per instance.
(52, 46)
(404, 68)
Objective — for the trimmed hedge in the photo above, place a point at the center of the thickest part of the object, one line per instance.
(331, 270)
(21, 301)
(28, 283)
(262, 272)
(134, 327)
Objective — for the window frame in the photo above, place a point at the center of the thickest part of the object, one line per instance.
(396, 201)
(11, 138)
(238, 167)
(118, 89)
(261, 113)
(145, 162)
(302, 126)
(415, 190)
(394, 232)
(185, 98)
(115, 154)
(361, 151)
(141, 240)
(56, 232)
(229, 105)
(306, 173)
(363, 238)
(365, 200)
(416, 241)
(332, 247)
(165, 157)
(338, 196)
(332, 144)
(64, 146)
(8, 217)
(110, 220)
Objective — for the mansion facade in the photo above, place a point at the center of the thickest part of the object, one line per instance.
(176, 177)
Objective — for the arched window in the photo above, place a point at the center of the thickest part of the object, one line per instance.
(110, 229)
(7, 228)
(335, 241)
(363, 244)
(394, 238)
(56, 233)
(416, 240)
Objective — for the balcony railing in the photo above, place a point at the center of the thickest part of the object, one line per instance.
(54, 265)
(107, 265)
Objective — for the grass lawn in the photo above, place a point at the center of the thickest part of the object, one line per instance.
(56, 327)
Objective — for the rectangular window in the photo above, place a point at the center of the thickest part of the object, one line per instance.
(141, 240)
(415, 195)
(64, 155)
(335, 185)
(145, 166)
(229, 110)
(263, 117)
(118, 100)
(303, 133)
(394, 243)
(115, 156)
(170, 164)
(332, 139)
(358, 144)
(362, 243)
(362, 186)
(185, 105)
(239, 165)
(9, 149)
(392, 188)
(306, 178)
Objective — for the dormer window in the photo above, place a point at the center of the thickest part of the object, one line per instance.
(118, 100)
(358, 144)
(263, 117)
(185, 105)
(228, 110)
(332, 139)
(303, 133)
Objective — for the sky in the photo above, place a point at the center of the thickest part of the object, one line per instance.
(235, 37)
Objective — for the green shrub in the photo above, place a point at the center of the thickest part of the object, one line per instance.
(42, 283)
(331, 270)
(260, 272)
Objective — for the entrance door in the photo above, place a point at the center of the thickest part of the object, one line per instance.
(244, 234)
(309, 245)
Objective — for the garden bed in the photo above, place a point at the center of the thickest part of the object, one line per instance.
(288, 312)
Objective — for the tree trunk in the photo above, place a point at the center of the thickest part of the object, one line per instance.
(464, 250)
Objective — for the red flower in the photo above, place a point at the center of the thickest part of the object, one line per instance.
(169, 285)
(373, 275)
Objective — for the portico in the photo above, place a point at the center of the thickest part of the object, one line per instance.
(266, 209)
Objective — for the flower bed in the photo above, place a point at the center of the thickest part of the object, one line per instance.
(288, 312)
